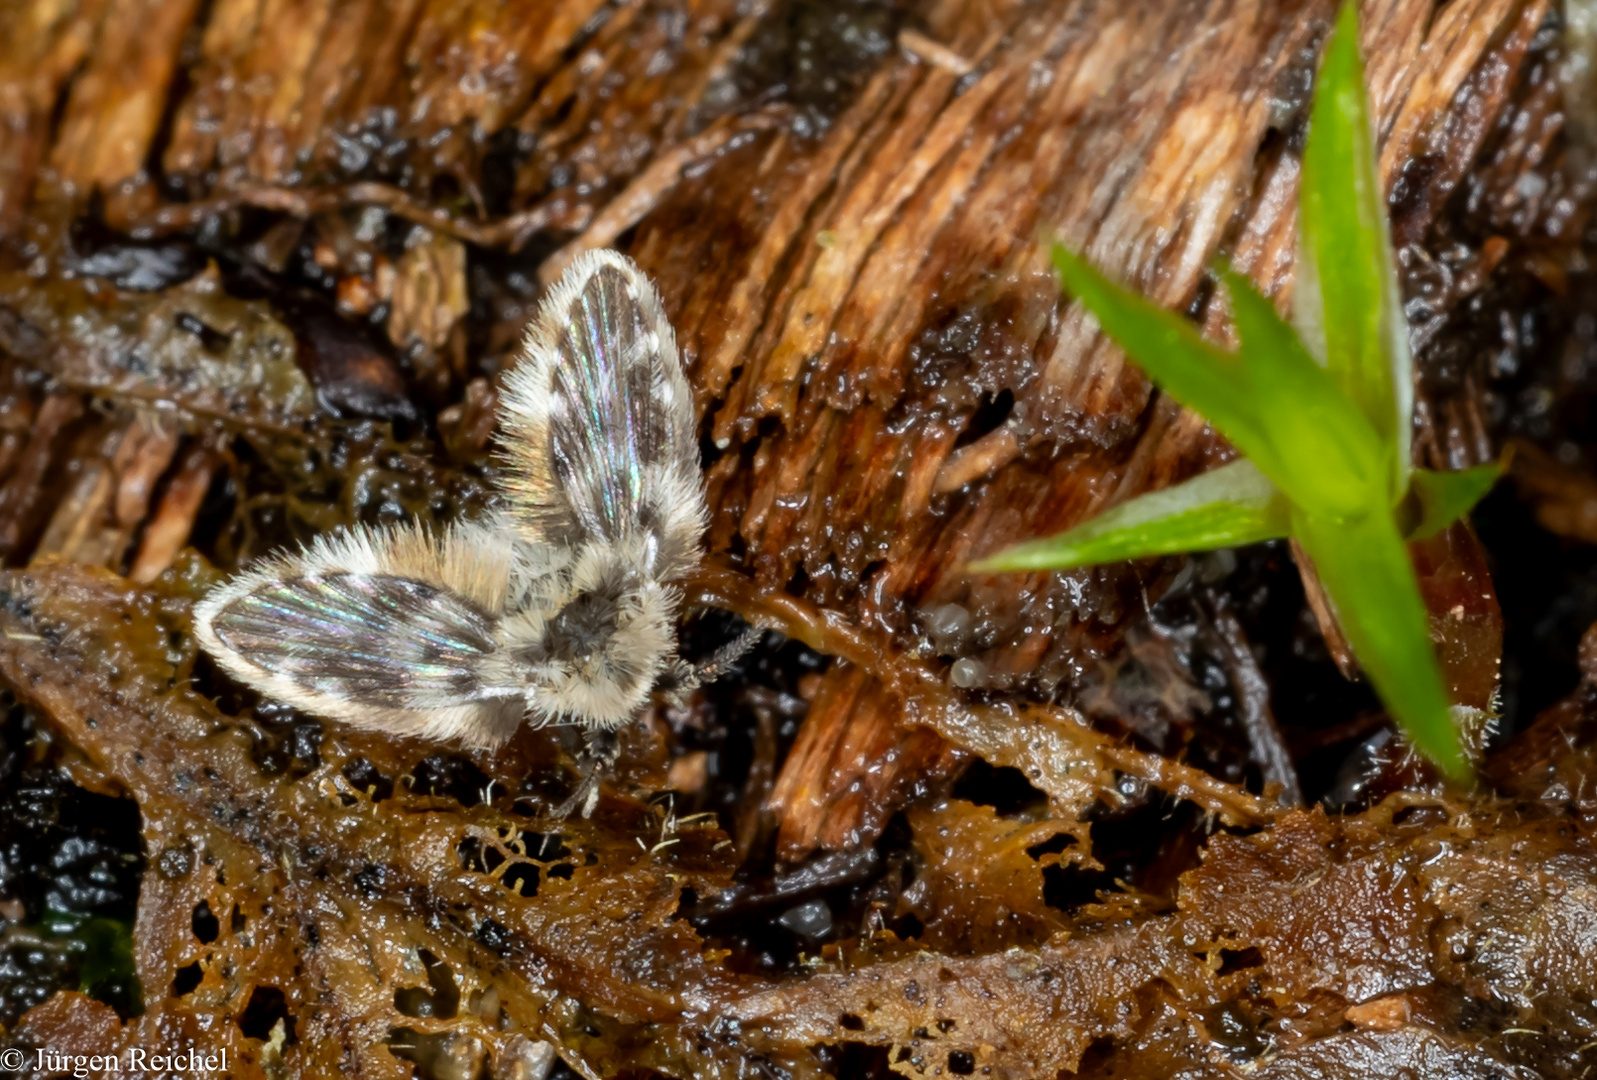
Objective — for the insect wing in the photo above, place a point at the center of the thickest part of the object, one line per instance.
(598, 418)
(379, 641)
(369, 629)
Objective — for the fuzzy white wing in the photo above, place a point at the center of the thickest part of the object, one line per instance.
(390, 630)
(598, 423)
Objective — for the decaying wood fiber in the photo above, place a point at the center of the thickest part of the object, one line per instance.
(263, 261)
(874, 317)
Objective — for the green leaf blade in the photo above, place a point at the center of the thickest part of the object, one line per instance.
(1365, 568)
(1194, 371)
(1444, 497)
(1348, 306)
(1332, 461)
(1225, 507)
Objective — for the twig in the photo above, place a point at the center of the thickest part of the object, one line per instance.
(650, 186)
(932, 52)
(1053, 746)
(557, 212)
(169, 530)
(1265, 744)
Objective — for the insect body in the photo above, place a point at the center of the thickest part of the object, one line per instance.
(559, 609)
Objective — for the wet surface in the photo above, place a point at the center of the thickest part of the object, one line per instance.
(936, 823)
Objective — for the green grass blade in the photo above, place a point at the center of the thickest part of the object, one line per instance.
(1365, 568)
(1195, 372)
(1444, 497)
(1234, 504)
(1332, 461)
(1347, 292)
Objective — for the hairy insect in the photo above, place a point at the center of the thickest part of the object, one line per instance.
(558, 609)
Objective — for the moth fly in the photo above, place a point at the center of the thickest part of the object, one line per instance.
(561, 607)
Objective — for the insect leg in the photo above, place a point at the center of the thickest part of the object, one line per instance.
(600, 748)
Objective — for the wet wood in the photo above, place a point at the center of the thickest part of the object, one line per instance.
(358, 203)
(888, 381)
(23, 493)
(859, 296)
(37, 59)
(116, 101)
(173, 520)
(1149, 154)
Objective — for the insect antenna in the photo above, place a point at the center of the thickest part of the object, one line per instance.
(683, 677)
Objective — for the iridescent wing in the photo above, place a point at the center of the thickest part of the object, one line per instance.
(386, 629)
(597, 422)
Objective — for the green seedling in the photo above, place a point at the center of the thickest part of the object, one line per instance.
(1321, 411)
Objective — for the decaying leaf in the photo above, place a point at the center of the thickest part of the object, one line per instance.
(384, 900)
(973, 905)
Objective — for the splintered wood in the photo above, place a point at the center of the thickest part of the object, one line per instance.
(898, 286)
(890, 383)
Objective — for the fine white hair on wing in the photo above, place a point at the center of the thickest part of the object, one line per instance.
(600, 375)
(677, 503)
(468, 568)
(475, 559)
